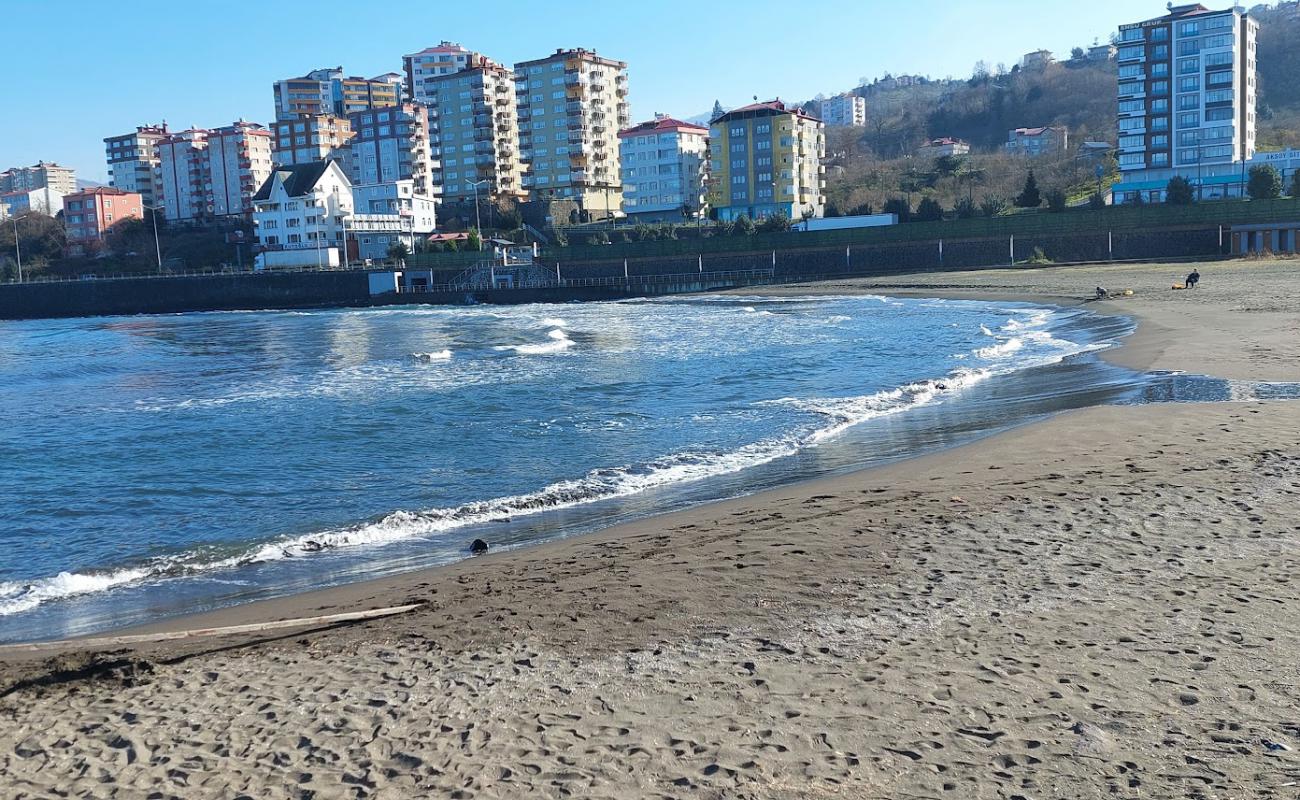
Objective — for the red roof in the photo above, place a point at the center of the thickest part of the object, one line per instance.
(947, 140)
(772, 105)
(662, 124)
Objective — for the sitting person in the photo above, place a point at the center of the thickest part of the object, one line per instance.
(1102, 294)
(1193, 279)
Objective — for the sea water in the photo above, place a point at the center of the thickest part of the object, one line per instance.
(162, 464)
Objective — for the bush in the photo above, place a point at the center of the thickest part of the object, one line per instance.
(899, 206)
(1056, 201)
(743, 226)
(929, 210)
(598, 239)
(1179, 192)
(643, 233)
(1030, 197)
(474, 242)
(560, 239)
(1265, 183)
(1097, 202)
(993, 206)
(864, 210)
(966, 208)
(1039, 257)
(776, 223)
(1295, 185)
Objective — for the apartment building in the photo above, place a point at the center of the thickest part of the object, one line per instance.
(1038, 59)
(1047, 140)
(311, 137)
(944, 147)
(391, 144)
(239, 162)
(844, 110)
(432, 62)
(89, 216)
(134, 164)
(183, 163)
(300, 216)
(387, 214)
(766, 159)
(30, 201)
(330, 91)
(44, 174)
(1187, 97)
(665, 165)
(474, 132)
(572, 104)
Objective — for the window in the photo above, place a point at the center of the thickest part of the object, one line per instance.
(1160, 106)
(1131, 106)
(1160, 123)
(1189, 66)
(1219, 78)
(763, 127)
(1132, 88)
(1132, 142)
(1130, 35)
(1132, 124)
(1132, 51)
(1218, 151)
(1218, 114)
(1159, 159)
(1189, 47)
(1189, 102)
(1160, 141)
(1218, 60)
(1218, 96)
(1132, 160)
(1159, 34)
(1189, 84)
(1132, 71)
(1217, 41)
(1192, 120)
(1189, 29)
(1159, 88)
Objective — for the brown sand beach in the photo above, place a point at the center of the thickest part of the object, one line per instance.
(1105, 604)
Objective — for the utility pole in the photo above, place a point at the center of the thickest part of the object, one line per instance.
(157, 246)
(18, 250)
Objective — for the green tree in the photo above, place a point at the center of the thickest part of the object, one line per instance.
(899, 206)
(1056, 201)
(966, 208)
(1097, 202)
(993, 206)
(474, 241)
(743, 226)
(929, 210)
(1265, 183)
(1030, 196)
(1179, 192)
(398, 250)
(776, 223)
(1295, 185)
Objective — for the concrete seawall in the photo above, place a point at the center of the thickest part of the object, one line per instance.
(262, 291)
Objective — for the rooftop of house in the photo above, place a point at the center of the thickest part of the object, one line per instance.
(947, 140)
(297, 180)
(1036, 131)
(771, 108)
(660, 124)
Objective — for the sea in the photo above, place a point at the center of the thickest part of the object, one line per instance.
(158, 465)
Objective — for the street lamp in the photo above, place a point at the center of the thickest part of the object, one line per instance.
(478, 222)
(343, 220)
(157, 247)
(17, 250)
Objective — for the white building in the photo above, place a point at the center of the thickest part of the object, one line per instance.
(239, 162)
(45, 201)
(447, 58)
(1187, 95)
(664, 169)
(385, 214)
(300, 216)
(183, 159)
(844, 110)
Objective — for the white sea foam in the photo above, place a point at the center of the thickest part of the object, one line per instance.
(19, 596)
(554, 323)
(560, 341)
(1002, 349)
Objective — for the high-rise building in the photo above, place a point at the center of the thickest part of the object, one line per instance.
(844, 110)
(239, 162)
(134, 164)
(664, 169)
(766, 159)
(329, 91)
(474, 131)
(391, 144)
(571, 107)
(211, 174)
(44, 175)
(432, 62)
(183, 160)
(90, 215)
(1187, 96)
(311, 137)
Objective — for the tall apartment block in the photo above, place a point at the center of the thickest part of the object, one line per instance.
(134, 164)
(1187, 96)
(311, 137)
(391, 144)
(766, 159)
(474, 131)
(89, 216)
(239, 162)
(213, 173)
(844, 111)
(571, 107)
(329, 91)
(44, 175)
(664, 169)
(433, 62)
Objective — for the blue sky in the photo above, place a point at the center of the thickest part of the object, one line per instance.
(117, 65)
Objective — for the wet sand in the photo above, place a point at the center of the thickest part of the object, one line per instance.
(1101, 605)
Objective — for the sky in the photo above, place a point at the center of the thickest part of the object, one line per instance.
(119, 65)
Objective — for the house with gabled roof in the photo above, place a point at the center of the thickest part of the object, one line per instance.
(300, 214)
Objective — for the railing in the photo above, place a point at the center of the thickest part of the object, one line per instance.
(630, 281)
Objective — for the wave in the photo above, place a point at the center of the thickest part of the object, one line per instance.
(554, 323)
(560, 341)
(18, 596)
(428, 358)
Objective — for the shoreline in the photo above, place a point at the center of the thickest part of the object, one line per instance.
(1075, 607)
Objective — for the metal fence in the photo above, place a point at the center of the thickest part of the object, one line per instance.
(630, 282)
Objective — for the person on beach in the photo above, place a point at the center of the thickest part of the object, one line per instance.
(1193, 279)
(1102, 294)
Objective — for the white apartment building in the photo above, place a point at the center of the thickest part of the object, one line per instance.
(40, 201)
(844, 110)
(572, 106)
(134, 164)
(474, 133)
(664, 169)
(445, 59)
(182, 159)
(1187, 96)
(239, 162)
(44, 174)
(385, 214)
(391, 144)
(300, 216)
